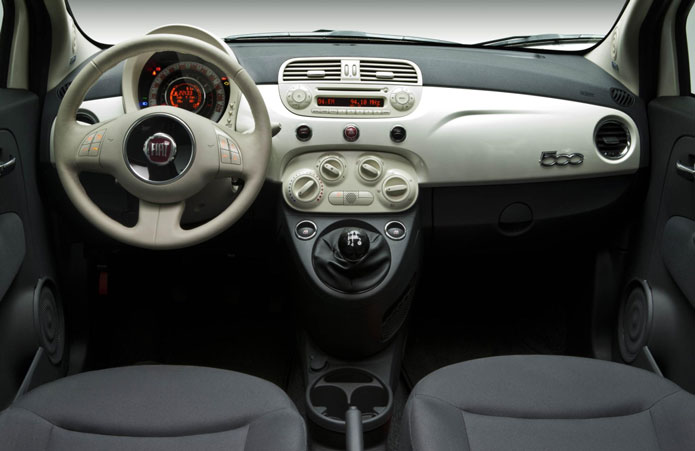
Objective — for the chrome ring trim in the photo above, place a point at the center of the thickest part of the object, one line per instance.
(395, 238)
(305, 238)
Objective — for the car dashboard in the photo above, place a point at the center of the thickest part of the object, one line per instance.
(364, 128)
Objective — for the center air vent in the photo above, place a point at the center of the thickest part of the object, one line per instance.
(312, 70)
(612, 139)
(351, 70)
(376, 71)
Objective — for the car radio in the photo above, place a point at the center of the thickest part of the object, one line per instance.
(339, 87)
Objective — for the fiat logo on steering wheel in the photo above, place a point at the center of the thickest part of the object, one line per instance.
(160, 149)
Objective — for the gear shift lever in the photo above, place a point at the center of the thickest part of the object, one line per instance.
(353, 244)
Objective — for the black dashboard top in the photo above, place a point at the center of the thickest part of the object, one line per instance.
(562, 76)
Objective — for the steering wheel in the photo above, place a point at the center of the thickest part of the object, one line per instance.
(162, 155)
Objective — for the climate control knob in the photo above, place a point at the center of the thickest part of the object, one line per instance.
(298, 98)
(398, 188)
(305, 187)
(332, 169)
(370, 168)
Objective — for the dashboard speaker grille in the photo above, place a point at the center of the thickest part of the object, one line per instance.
(388, 71)
(612, 139)
(312, 70)
(622, 97)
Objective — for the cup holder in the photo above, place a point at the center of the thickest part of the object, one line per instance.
(332, 394)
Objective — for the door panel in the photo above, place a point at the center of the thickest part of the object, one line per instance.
(24, 249)
(665, 252)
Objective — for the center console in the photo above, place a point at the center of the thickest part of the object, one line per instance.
(350, 217)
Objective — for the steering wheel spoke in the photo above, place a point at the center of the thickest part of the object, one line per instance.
(159, 222)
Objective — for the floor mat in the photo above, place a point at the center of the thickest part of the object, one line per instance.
(498, 306)
(200, 317)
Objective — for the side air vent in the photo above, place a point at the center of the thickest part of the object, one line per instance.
(86, 117)
(622, 97)
(312, 70)
(612, 139)
(63, 89)
(388, 71)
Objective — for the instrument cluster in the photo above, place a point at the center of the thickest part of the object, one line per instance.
(184, 81)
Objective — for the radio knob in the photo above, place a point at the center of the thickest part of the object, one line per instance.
(402, 99)
(305, 187)
(298, 98)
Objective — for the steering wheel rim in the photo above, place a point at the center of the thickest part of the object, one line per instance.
(161, 204)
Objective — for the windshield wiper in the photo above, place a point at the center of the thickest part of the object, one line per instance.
(334, 36)
(543, 39)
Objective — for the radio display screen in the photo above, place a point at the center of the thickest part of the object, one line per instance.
(358, 102)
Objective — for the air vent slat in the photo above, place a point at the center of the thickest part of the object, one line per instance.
(612, 139)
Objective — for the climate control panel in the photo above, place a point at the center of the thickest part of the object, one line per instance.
(350, 182)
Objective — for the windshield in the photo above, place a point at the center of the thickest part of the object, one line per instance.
(468, 22)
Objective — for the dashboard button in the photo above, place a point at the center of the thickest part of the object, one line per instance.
(304, 133)
(299, 95)
(398, 134)
(84, 150)
(225, 157)
(351, 133)
(351, 197)
(336, 198)
(232, 146)
(402, 98)
(395, 230)
(99, 136)
(365, 198)
(236, 157)
(305, 230)
(224, 144)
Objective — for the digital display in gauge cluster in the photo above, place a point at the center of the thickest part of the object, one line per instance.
(184, 81)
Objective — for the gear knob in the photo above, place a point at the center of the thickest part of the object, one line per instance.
(353, 244)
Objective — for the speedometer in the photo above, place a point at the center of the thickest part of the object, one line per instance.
(189, 85)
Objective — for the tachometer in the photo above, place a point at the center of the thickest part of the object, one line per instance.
(189, 85)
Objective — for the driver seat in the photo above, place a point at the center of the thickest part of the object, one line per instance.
(154, 408)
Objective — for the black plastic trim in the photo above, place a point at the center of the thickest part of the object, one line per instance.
(40, 45)
(649, 49)
(6, 34)
(682, 52)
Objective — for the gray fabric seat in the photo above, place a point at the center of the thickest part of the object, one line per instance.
(547, 403)
(154, 408)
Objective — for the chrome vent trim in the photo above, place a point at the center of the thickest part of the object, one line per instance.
(612, 139)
